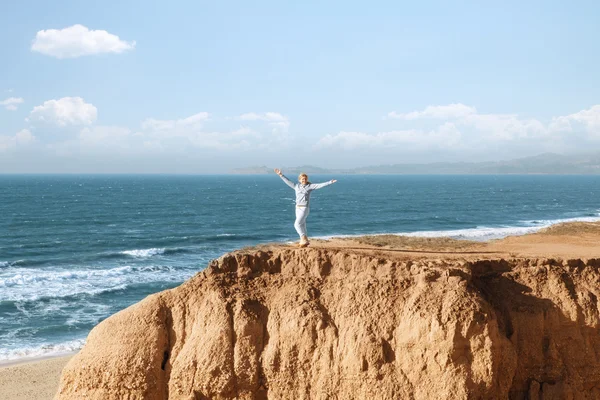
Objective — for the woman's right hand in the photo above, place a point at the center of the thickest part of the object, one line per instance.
(277, 171)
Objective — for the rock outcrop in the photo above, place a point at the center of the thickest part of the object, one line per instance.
(336, 324)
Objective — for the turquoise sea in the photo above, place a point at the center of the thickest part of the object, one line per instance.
(76, 249)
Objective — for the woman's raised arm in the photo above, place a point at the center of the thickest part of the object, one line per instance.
(284, 178)
(322, 185)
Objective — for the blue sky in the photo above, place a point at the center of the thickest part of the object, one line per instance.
(203, 87)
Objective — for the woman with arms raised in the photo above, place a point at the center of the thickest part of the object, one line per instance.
(302, 189)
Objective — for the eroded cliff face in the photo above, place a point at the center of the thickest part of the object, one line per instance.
(332, 324)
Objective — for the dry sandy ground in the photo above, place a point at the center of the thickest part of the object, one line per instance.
(39, 380)
(35, 380)
(562, 241)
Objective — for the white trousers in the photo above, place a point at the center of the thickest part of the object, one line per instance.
(300, 224)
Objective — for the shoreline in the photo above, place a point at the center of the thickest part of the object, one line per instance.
(35, 359)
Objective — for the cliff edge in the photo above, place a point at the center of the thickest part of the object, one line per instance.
(350, 320)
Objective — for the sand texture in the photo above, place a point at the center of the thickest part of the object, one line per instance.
(352, 319)
(35, 380)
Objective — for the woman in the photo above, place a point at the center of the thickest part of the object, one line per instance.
(302, 189)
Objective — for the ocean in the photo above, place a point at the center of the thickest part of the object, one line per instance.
(76, 249)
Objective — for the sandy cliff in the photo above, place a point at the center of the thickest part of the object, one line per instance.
(347, 320)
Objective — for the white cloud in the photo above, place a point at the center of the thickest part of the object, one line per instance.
(179, 133)
(463, 130)
(175, 137)
(586, 120)
(24, 136)
(444, 136)
(65, 111)
(486, 126)
(274, 120)
(268, 116)
(21, 138)
(194, 121)
(456, 110)
(11, 103)
(78, 40)
(176, 134)
(504, 126)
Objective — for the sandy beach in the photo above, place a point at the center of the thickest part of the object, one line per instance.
(31, 380)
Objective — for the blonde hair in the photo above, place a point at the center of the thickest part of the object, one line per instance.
(303, 174)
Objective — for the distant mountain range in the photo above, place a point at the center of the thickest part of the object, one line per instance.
(547, 163)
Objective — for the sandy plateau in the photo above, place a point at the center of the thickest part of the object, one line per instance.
(382, 317)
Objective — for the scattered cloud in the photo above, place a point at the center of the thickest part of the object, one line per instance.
(456, 110)
(460, 129)
(585, 120)
(504, 126)
(274, 120)
(78, 40)
(11, 103)
(169, 134)
(486, 126)
(445, 136)
(194, 121)
(21, 138)
(65, 111)
(173, 137)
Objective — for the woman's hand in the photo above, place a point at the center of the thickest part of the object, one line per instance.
(277, 171)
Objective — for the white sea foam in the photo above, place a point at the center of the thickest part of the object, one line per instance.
(88, 314)
(23, 324)
(43, 350)
(144, 252)
(29, 276)
(26, 284)
(4, 264)
(478, 234)
(483, 233)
